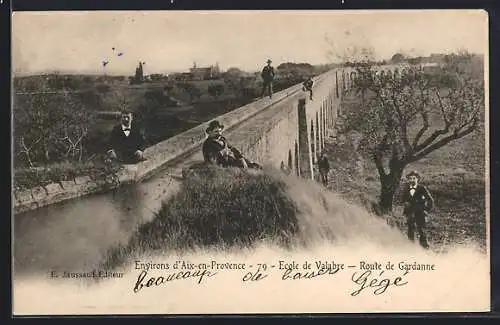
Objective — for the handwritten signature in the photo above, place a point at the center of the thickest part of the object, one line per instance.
(289, 274)
(367, 280)
(181, 275)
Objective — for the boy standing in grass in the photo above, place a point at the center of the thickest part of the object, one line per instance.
(417, 202)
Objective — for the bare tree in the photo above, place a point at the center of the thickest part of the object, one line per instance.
(49, 127)
(408, 114)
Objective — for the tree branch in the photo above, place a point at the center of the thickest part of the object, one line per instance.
(425, 119)
(402, 124)
(444, 141)
(436, 133)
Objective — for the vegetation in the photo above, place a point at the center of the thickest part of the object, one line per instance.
(454, 174)
(60, 118)
(406, 115)
(228, 208)
(221, 208)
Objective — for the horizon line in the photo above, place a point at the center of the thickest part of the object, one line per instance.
(116, 74)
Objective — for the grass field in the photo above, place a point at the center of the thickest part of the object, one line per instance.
(454, 174)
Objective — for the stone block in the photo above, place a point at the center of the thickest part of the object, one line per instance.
(90, 186)
(23, 196)
(53, 188)
(23, 207)
(83, 180)
(68, 185)
(39, 193)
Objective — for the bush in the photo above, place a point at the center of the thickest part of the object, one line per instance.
(49, 128)
(26, 178)
(222, 208)
(216, 90)
(103, 88)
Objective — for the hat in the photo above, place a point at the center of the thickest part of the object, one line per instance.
(214, 125)
(413, 173)
(269, 61)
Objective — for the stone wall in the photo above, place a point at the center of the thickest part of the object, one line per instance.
(157, 156)
(30, 199)
(267, 131)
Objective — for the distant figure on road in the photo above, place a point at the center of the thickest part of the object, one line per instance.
(126, 142)
(267, 78)
(216, 149)
(417, 202)
(324, 168)
(307, 86)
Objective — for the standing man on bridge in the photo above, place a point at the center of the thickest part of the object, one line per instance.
(417, 202)
(307, 86)
(126, 142)
(267, 78)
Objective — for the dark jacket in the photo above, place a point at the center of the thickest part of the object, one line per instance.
(323, 164)
(123, 145)
(308, 84)
(268, 73)
(421, 201)
(212, 148)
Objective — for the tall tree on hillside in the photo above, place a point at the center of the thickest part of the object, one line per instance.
(407, 115)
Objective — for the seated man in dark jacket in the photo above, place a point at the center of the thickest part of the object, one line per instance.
(126, 142)
(217, 150)
(307, 86)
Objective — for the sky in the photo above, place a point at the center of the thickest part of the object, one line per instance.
(172, 40)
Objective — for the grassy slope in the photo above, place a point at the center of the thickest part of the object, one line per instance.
(455, 175)
(223, 208)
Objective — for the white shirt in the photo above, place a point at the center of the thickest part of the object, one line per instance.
(412, 190)
(127, 132)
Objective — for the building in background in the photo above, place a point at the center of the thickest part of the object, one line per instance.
(205, 73)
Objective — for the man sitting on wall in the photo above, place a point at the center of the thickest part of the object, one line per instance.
(307, 86)
(216, 150)
(126, 142)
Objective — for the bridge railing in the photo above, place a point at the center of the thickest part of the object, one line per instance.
(257, 128)
(192, 139)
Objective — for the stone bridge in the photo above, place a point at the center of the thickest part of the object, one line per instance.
(53, 228)
(287, 131)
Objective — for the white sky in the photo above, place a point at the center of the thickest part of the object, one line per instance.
(172, 40)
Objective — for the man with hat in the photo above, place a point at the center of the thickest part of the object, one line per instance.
(417, 202)
(324, 168)
(126, 142)
(216, 149)
(267, 78)
(307, 86)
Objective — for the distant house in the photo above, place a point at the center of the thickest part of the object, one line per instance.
(205, 73)
(184, 76)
